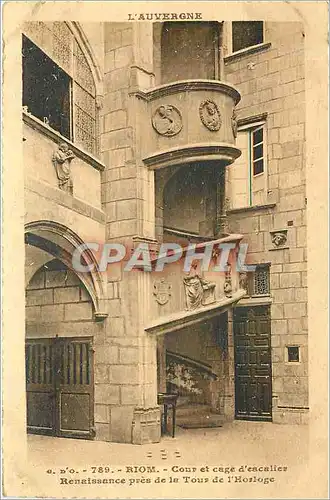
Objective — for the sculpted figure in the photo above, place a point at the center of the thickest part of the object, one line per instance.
(62, 163)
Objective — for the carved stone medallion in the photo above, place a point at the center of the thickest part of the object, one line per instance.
(162, 291)
(167, 120)
(210, 115)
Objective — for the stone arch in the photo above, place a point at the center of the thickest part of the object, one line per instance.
(60, 242)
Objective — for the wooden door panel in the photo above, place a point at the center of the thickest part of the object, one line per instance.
(40, 397)
(60, 387)
(76, 388)
(252, 363)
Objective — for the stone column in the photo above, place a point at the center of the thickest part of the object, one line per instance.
(128, 355)
(229, 373)
(221, 223)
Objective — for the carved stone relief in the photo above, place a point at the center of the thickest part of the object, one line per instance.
(199, 291)
(227, 288)
(243, 282)
(162, 291)
(234, 123)
(210, 115)
(279, 237)
(167, 120)
(62, 162)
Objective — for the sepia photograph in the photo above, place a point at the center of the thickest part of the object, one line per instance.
(160, 314)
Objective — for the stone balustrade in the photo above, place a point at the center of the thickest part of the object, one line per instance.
(185, 121)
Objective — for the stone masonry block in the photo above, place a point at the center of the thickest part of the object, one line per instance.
(292, 133)
(126, 209)
(101, 374)
(290, 179)
(109, 61)
(121, 424)
(105, 354)
(290, 280)
(296, 255)
(102, 415)
(116, 139)
(123, 56)
(116, 327)
(279, 327)
(294, 267)
(122, 228)
(295, 326)
(291, 149)
(301, 236)
(124, 374)
(129, 395)
(301, 294)
(39, 297)
(114, 308)
(78, 311)
(129, 355)
(102, 431)
(277, 311)
(116, 120)
(274, 281)
(68, 294)
(295, 310)
(122, 190)
(32, 314)
(50, 314)
(117, 79)
(283, 295)
(106, 394)
(37, 281)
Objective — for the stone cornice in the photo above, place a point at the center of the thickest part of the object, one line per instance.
(189, 85)
(192, 152)
(55, 136)
(184, 319)
(64, 199)
(255, 49)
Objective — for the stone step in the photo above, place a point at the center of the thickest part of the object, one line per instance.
(195, 416)
(193, 409)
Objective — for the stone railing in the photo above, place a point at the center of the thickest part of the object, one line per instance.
(185, 121)
(182, 298)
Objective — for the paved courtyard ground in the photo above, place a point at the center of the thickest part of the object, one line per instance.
(238, 460)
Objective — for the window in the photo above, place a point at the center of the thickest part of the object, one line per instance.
(58, 84)
(248, 174)
(257, 283)
(257, 150)
(260, 285)
(293, 354)
(189, 50)
(46, 89)
(246, 34)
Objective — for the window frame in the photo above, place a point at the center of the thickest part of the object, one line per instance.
(46, 61)
(90, 143)
(245, 49)
(251, 281)
(249, 128)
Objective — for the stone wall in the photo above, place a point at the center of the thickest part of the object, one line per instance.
(272, 82)
(129, 354)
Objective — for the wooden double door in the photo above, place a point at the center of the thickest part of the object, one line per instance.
(253, 369)
(60, 387)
